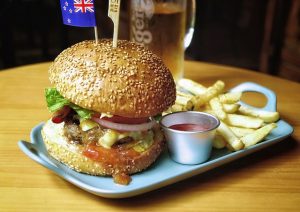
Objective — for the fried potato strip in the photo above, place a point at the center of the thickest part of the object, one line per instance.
(241, 126)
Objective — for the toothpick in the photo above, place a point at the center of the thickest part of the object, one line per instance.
(114, 13)
(96, 34)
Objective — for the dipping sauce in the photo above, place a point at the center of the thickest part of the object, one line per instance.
(189, 127)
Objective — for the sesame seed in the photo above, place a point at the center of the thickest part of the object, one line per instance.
(101, 78)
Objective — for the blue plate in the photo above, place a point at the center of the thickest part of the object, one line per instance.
(164, 171)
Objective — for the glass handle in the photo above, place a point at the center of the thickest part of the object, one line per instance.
(190, 23)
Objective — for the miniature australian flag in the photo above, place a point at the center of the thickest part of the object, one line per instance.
(79, 13)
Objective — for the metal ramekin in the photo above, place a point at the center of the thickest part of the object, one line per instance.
(189, 147)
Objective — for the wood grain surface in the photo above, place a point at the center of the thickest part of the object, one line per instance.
(268, 180)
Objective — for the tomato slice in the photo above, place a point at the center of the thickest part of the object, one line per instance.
(123, 120)
(57, 119)
(59, 115)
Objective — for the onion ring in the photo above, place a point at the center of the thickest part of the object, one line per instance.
(125, 127)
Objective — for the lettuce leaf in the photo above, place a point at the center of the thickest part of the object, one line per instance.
(83, 113)
(56, 101)
(158, 117)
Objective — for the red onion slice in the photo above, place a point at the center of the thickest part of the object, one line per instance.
(125, 127)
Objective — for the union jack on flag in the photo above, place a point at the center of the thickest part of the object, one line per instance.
(83, 6)
(78, 12)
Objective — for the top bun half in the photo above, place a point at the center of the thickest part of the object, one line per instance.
(128, 81)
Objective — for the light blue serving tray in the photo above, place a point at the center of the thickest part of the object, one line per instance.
(164, 171)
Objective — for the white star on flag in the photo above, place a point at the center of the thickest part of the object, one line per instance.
(69, 20)
(66, 3)
(70, 10)
(65, 8)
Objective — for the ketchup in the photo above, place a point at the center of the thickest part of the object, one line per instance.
(189, 127)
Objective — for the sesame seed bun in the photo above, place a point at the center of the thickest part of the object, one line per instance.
(128, 81)
(71, 154)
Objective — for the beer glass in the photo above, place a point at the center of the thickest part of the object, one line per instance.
(165, 27)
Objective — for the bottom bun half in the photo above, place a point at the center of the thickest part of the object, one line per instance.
(71, 154)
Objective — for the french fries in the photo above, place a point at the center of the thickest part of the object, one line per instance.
(191, 86)
(240, 126)
(231, 108)
(218, 142)
(184, 101)
(244, 121)
(211, 92)
(217, 107)
(257, 135)
(240, 131)
(230, 98)
(266, 116)
(233, 142)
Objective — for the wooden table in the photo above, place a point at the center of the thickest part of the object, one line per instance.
(268, 180)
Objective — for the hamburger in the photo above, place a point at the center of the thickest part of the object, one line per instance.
(105, 103)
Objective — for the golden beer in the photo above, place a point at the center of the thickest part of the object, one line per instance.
(161, 28)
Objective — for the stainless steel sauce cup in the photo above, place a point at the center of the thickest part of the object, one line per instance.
(189, 147)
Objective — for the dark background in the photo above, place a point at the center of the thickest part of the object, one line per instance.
(245, 33)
